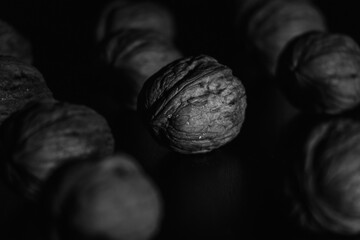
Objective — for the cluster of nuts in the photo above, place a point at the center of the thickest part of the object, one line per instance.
(319, 73)
(191, 104)
(64, 153)
(316, 70)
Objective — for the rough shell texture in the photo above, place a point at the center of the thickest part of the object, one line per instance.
(273, 24)
(110, 199)
(136, 55)
(43, 135)
(20, 83)
(122, 14)
(320, 72)
(12, 43)
(193, 105)
(329, 178)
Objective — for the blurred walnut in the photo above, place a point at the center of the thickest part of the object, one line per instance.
(110, 198)
(13, 44)
(193, 105)
(135, 41)
(139, 15)
(43, 135)
(320, 72)
(20, 83)
(329, 178)
(134, 55)
(271, 24)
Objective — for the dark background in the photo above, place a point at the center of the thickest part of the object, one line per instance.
(235, 192)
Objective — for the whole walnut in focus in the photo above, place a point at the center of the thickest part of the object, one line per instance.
(320, 73)
(110, 198)
(271, 24)
(12, 43)
(43, 135)
(193, 105)
(20, 83)
(329, 178)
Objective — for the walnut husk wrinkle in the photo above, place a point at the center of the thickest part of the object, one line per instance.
(43, 135)
(20, 83)
(193, 105)
(320, 73)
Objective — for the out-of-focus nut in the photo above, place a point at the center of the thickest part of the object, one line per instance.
(272, 24)
(43, 135)
(135, 55)
(109, 199)
(141, 15)
(320, 72)
(329, 178)
(12, 43)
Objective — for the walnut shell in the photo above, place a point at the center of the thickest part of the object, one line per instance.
(134, 55)
(193, 105)
(20, 83)
(123, 14)
(43, 135)
(320, 73)
(329, 178)
(111, 198)
(12, 43)
(273, 24)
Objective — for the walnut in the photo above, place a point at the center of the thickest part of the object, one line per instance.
(12, 43)
(272, 24)
(140, 15)
(134, 55)
(20, 83)
(43, 135)
(328, 178)
(193, 105)
(109, 198)
(320, 73)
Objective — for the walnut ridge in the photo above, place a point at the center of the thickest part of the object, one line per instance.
(193, 105)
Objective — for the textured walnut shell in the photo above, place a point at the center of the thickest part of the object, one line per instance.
(20, 83)
(273, 24)
(329, 177)
(320, 72)
(122, 14)
(43, 135)
(12, 43)
(193, 105)
(135, 55)
(111, 199)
